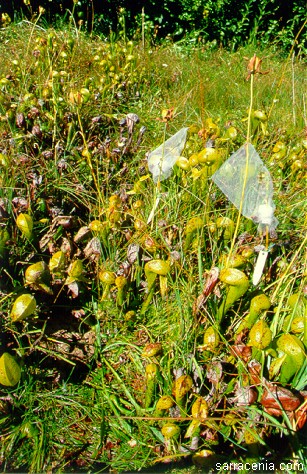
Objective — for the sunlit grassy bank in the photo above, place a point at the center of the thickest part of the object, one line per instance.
(140, 341)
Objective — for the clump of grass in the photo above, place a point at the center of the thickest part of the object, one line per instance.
(73, 156)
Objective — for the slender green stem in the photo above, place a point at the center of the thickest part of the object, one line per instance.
(248, 141)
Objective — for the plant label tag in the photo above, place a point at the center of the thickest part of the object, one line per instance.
(258, 271)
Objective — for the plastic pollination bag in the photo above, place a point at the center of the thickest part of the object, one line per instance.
(244, 177)
(247, 183)
(162, 160)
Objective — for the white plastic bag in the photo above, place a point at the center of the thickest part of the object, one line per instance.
(245, 171)
(162, 160)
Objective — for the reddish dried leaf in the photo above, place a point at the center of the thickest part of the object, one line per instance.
(152, 349)
(277, 399)
(73, 289)
(167, 115)
(78, 313)
(242, 351)
(20, 120)
(210, 283)
(93, 249)
(36, 131)
(33, 113)
(254, 67)
(131, 120)
(254, 368)
(133, 252)
(244, 396)
(82, 234)
(300, 415)
(214, 372)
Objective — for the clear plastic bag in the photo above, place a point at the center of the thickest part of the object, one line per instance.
(162, 160)
(245, 168)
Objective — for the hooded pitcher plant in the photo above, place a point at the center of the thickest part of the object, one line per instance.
(181, 388)
(258, 304)
(236, 283)
(199, 413)
(38, 277)
(151, 375)
(153, 270)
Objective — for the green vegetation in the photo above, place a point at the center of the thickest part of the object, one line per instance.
(132, 336)
(227, 23)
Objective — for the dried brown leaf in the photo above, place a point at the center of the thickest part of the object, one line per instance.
(210, 283)
(242, 351)
(255, 368)
(276, 399)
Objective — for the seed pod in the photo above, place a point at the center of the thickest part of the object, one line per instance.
(23, 307)
(25, 225)
(260, 335)
(10, 372)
